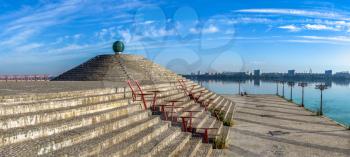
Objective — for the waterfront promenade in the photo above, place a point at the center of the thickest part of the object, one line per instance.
(267, 125)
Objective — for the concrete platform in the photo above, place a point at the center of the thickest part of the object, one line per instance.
(267, 125)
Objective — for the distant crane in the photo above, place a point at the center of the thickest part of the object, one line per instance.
(302, 85)
(321, 87)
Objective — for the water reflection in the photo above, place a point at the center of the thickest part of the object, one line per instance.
(257, 82)
(336, 103)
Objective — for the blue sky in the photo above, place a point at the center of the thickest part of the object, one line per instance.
(52, 36)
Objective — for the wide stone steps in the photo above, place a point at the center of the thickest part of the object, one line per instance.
(175, 146)
(106, 123)
(191, 148)
(56, 104)
(45, 129)
(155, 145)
(54, 142)
(110, 139)
(144, 144)
(204, 150)
(44, 116)
(53, 96)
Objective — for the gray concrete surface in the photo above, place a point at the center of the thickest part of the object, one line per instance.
(18, 88)
(267, 125)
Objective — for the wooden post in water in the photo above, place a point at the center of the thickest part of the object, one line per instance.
(302, 85)
(321, 87)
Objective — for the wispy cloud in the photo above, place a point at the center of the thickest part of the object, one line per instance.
(328, 38)
(319, 27)
(210, 29)
(295, 12)
(21, 30)
(291, 28)
(314, 27)
(18, 38)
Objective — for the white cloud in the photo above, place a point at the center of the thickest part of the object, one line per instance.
(250, 20)
(106, 34)
(206, 30)
(18, 38)
(155, 32)
(328, 38)
(28, 47)
(296, 12)
(291, 28)
(195, 30)
(77, 36)
(210, 29)
(319, 27)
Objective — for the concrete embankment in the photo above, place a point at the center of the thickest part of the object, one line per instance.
(267, 125)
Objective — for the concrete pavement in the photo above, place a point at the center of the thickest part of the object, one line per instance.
(267, 125)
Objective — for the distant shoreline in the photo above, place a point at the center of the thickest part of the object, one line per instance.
(344, 81)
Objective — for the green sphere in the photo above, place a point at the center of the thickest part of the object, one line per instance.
(118, 47)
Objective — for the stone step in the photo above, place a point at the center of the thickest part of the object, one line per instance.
(175, 146)
(219, 132)
(45, 129)
(231, 111)
(163, 98)
(224, 132)
(205, 96)
(156, 144)
(45, 116)
(99, 143)
(47, 105)
(204, 150)
(210, 122)
(211, 96)
(216, 153)
(217, 103)
(191, 147)
(13, 99)
(201, 119)
(144, 144)
(228, 109)
(46, 145)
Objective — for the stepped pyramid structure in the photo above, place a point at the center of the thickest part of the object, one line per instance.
(118, 68)
(164, 115)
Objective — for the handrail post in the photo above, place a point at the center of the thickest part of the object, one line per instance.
(132, 91)
(142, 94)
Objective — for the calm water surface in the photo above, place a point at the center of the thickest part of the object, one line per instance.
(336, 99)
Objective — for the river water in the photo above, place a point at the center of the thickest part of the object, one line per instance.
(336, 99)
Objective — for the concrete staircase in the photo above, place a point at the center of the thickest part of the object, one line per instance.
(109, 122)
(100, 122)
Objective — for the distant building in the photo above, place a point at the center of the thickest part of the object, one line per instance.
(344, 74)
(256, 73)
(199, 72)
(291, 72)
(328, 73)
